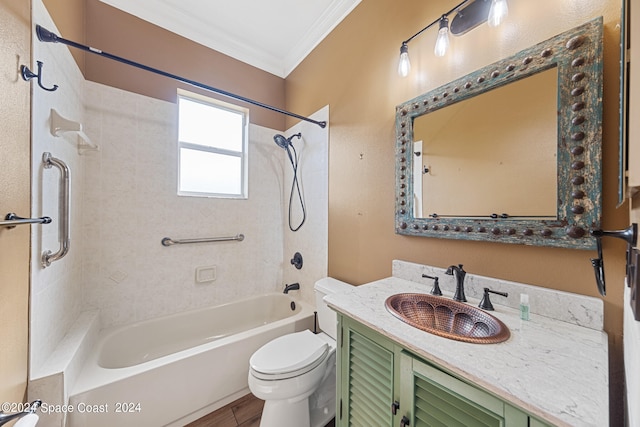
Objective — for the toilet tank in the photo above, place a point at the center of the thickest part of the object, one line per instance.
(327, 318)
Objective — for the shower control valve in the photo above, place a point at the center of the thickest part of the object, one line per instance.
(296, 261)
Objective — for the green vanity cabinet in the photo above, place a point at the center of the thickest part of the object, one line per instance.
(382, 384)
(367, 380)
(432, 397)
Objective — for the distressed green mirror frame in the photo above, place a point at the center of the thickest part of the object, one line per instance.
(577, 54)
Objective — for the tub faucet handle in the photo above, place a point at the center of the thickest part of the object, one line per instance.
(297, 261)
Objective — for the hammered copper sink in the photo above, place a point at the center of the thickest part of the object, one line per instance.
(447, 318)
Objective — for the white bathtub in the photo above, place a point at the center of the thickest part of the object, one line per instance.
(175, 369)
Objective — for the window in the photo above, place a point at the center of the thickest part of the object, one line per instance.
(212, 144)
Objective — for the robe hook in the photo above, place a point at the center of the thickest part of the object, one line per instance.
(629, 235)
(27, 75)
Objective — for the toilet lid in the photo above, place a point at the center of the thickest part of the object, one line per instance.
(289, 353)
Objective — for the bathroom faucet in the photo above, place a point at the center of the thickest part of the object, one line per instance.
(460, 273)
(291, 287)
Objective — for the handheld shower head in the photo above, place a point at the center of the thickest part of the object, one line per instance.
(286, 144)
(283, 142)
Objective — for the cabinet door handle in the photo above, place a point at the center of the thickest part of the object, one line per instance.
(394, 407)
(404, 422)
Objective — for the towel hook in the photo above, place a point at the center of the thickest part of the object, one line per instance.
(27, 75)
(629, 235)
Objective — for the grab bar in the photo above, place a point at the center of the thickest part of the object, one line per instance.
(11, 220)
(64, 208)
(170, 242)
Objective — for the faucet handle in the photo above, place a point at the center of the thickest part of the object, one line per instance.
(436, 287)
(485, 303)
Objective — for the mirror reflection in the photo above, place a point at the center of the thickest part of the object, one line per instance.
(492, 154)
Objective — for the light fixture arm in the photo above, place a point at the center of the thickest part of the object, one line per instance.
(437, 21)
(470, 13)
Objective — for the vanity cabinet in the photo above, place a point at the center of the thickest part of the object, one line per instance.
(382, 384)
(367, 383)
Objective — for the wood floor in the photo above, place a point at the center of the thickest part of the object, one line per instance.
(244, 412)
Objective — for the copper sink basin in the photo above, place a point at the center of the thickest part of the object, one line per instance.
(447, 318)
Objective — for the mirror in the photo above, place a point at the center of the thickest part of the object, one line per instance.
(510, 152)
(451, 153)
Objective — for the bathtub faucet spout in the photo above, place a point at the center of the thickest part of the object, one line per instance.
(291, 287)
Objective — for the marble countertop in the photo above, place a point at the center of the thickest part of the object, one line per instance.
(555, 370)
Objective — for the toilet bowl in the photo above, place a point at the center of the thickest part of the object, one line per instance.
(295, 374)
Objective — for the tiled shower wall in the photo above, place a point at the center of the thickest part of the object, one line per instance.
(56, 291)
(131, 204)
(311, 240)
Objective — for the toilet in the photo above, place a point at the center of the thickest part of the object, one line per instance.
(295, 374)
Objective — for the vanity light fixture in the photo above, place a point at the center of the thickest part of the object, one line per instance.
(404, 66)
(469, 14)
(498, 12)
(442, 41)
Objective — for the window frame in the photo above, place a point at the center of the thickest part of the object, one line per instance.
(242, 155)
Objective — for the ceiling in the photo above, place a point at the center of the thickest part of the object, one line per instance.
(273, 35)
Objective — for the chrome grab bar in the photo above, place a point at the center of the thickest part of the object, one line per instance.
(64, 208)
(11, 220)
(170, 242)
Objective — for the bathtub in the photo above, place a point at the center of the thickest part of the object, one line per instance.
(175, 369)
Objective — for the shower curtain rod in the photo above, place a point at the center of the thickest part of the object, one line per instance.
(45, 35)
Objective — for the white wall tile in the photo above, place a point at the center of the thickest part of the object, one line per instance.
(135, 205)
(311, 240)
(56, 297)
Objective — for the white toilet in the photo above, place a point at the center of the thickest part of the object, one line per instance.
(295, 374)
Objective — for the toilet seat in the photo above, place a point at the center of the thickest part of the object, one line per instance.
(289, 356)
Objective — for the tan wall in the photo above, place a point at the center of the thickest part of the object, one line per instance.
(124, 35)
(15, 25)
(69, 18)
(354, 71)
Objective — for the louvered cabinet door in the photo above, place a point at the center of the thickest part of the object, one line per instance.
(366, 383)
(434, 398)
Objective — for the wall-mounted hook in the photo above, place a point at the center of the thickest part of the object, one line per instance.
(27, 75)
(629, 235)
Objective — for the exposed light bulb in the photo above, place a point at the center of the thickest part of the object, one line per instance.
(497, 12)
(404, 65)
(442, 42)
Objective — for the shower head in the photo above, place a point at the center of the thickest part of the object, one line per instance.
(283, 142)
